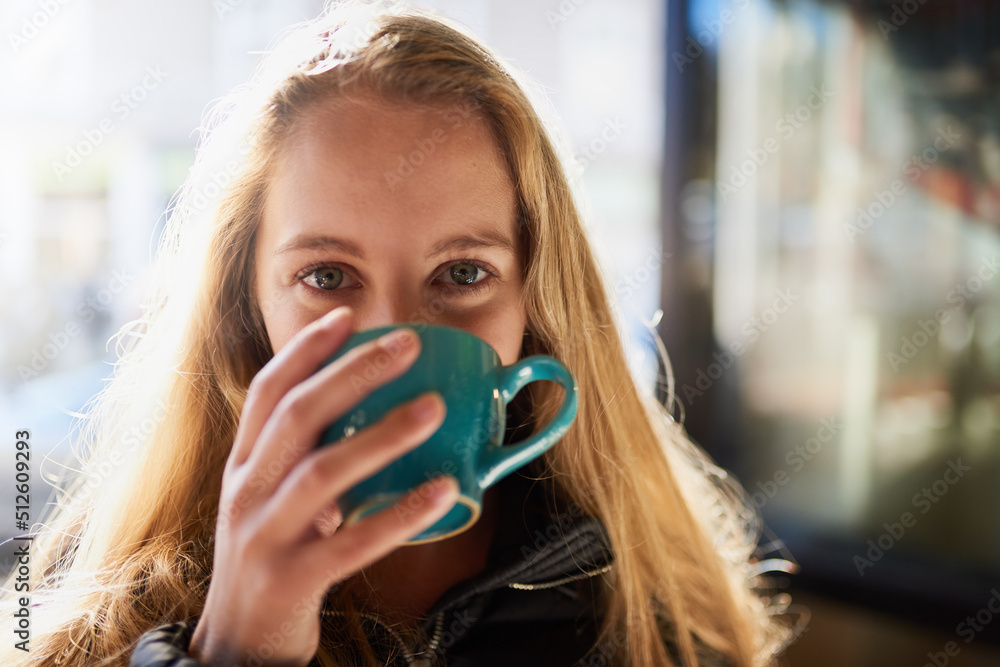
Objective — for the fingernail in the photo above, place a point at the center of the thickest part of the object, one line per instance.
(400, 339)
(336, 316)
(424, 407)
(443, 489)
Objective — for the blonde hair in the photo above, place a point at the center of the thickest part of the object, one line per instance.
(129, 546)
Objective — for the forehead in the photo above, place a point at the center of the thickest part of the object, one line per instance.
(372, 167)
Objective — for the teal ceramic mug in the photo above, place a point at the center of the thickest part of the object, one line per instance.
(476, 389)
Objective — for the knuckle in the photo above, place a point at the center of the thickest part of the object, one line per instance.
(314, 473)
(294, 406)
(232, 496)
(260, 383)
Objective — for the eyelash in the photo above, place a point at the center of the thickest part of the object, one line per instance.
(471, 288)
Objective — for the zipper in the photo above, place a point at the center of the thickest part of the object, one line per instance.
(432, 644)
(425, 657)
(560, 582)
(411, 659)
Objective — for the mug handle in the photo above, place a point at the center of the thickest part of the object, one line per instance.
(497, 461)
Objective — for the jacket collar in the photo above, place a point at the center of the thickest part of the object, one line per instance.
(552, 543)
(546, 549)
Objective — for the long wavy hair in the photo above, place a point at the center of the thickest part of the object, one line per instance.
(128, 545)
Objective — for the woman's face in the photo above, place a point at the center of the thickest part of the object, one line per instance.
(405, 215)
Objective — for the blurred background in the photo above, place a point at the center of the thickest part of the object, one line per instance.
(802, 197)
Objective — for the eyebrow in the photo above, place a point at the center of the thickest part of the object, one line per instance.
(481, 239)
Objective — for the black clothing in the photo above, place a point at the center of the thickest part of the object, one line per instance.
(536, 602)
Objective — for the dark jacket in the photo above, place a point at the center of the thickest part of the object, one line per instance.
(537, 601)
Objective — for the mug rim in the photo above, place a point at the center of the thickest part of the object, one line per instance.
(384, 501)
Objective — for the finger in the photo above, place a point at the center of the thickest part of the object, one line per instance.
(355, 547)
(312, 405)
(330, 471)
(299, 359)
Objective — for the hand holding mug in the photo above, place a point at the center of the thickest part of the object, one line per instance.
(468, 445)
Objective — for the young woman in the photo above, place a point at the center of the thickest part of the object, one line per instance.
(382, 167)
